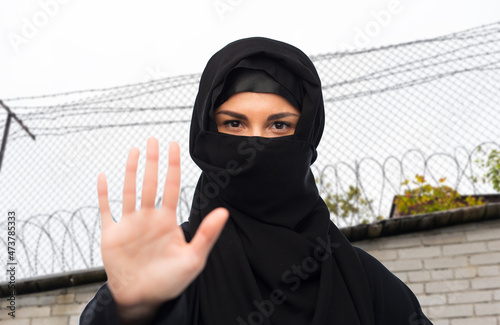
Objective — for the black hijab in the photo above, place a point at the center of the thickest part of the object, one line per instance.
(279, 259)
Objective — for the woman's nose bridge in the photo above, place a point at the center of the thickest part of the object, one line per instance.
(256, 131)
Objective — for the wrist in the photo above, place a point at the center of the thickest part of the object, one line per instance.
(141, 313)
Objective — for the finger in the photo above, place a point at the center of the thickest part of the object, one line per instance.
(129, 186)
(102, 193)
(150, 183)
(208, 232)
(173, 181)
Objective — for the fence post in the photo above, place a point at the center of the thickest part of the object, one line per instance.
(10, 115)
(4, 139)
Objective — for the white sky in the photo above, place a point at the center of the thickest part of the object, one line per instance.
(51, 46)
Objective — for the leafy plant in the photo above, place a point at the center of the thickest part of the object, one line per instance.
(350, 205)
(426, 198)
(491, 165)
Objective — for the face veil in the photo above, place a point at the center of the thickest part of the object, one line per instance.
(279, 259)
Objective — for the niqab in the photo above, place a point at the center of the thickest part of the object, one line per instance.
(279, 259)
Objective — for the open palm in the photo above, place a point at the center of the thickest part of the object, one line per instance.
(145, 255)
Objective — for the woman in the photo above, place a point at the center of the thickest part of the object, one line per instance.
(257, 120)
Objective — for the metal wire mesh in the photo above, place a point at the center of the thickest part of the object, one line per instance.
(392, 112)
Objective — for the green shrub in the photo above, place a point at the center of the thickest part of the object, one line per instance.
(491, 165)
(350, 205)
(426, 198)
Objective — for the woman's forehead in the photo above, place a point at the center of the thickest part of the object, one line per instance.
(260, 103)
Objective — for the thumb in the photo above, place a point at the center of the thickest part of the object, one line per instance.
(208, 232)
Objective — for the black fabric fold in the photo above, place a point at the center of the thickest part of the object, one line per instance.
(242, 79)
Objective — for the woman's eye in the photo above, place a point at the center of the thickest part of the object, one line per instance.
(233, 124)
(281, 125)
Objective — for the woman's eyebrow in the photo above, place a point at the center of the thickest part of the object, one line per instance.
(233, 114)
(280, 116)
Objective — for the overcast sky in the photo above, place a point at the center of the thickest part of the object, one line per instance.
(51, 46)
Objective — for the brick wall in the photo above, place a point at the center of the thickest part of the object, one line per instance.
(454, 271)
(56, 307)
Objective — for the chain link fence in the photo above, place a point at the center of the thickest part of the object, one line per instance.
(392, 112)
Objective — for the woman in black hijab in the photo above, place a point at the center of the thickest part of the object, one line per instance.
(279, 258)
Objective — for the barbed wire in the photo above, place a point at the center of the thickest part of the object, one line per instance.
(392, 184)
(68, 240)
(422, 107)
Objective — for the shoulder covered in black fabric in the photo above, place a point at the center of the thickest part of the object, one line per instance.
(102, 310)
(393, 302)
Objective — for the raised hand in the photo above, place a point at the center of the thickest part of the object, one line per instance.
(145, 255)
